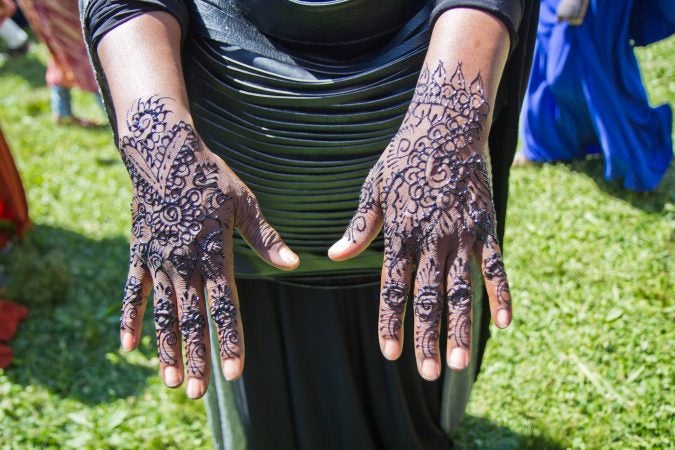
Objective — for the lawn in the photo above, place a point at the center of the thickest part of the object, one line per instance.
(586, 364)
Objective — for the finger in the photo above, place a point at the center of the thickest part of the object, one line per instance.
(394, 288)
(216, 266)
(136, 291)
(193, 327)
(261, 236)
(166, 328)
(459, 295)
(496, 283)
(428, 307)
(366, 223)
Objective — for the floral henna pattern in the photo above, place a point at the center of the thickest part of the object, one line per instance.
(165, 323)
(432, 186)
(428, 308)
(192, 325)
(176, 226)
(224, 314)
(459, 296)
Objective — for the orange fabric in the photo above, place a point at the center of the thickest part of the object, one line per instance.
(11, 314)
(57, 25)
(13, 205)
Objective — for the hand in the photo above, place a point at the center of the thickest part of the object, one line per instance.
(186, 203)
(431, 190)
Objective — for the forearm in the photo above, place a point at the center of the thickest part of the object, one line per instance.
(479, 42)
(140, 59)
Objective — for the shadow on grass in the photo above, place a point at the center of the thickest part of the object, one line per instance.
(480, 433)
(27, 66)
(653, 201)
(70, 342)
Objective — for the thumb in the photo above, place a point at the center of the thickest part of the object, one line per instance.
(363, 228)
(262, 237)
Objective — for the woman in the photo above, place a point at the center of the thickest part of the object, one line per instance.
(56, 24)
(299, 99)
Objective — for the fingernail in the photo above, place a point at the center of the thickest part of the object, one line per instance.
(458, 359)
(503, 318)
(338, 247)
(194, 388)
(288, 256)
(390, 350)
(171, 377)
(127, 341)
(430, 370)
(231, 369)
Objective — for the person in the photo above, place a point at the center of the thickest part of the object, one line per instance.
(57, 24)
(266, 116)
(586, 95)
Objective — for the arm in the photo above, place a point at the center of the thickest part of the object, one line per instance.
(186, 203)
(431, 191)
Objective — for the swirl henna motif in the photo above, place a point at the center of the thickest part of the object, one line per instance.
(131, 302)
(176, 227)
(432, 188)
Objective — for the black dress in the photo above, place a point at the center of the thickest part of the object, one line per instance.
(300, 99)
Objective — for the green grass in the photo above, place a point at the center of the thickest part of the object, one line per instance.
(587, 363)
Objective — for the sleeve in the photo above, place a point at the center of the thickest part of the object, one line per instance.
(509, 11)
(101, 16)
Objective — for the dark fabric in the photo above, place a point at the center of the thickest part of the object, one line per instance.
(302, 135)
(103, 16)
(511, 12)
(332, 388)
(330, 24)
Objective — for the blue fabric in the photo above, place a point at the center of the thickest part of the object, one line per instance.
(586, 94)
(60, 101)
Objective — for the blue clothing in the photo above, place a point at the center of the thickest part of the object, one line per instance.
(586, 95)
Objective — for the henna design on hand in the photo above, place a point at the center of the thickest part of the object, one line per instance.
(433, 190)
(131, 302)
(179, 214)
(165, 316)
(192, 327)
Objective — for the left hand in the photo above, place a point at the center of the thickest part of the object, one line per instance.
(431, 190)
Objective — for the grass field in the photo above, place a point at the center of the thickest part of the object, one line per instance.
(587, 363)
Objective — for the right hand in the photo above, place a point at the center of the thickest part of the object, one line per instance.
(186, 204)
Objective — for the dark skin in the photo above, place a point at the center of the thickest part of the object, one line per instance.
(187, 202)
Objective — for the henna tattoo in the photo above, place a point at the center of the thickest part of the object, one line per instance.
(165, 324)
(428, 308)
(494, 271)
(131, 303)
(212, 251)
(433, 188)
(177, 206)
(367, 202)
(192, 325)
(393, 296)
(224, 314)
(459, 297)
